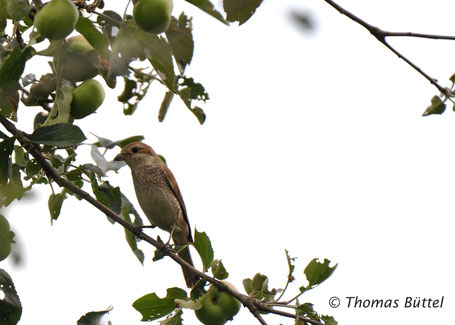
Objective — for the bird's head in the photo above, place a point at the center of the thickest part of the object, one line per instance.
(136, 154)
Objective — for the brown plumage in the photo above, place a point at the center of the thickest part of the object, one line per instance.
(159, 197)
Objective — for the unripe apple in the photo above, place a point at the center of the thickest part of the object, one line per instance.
(87, 97)
(153, 16)
(57, 19)
(217, 306)
(78, 62)
(79, 44)
(5, 238)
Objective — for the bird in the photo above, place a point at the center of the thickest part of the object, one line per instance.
(159, 197)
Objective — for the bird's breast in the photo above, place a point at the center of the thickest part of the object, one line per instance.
(156, 199)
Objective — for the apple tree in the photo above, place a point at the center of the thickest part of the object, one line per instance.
(91, 47)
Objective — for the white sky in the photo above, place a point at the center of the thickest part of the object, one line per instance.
(313, 143)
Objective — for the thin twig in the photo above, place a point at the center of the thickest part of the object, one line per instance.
(295, 298)
(289, 315)
(420, 35)
(252, 304)
(381, 35)
(19, 38)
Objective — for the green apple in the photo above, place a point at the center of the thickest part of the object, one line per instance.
(57, 19)
(87, 97)
(78, 61)
(5, 238)
(217, 306)
(79, 44)
(153, 16)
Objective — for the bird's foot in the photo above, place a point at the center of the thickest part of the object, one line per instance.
(162, 251)
(138, 229)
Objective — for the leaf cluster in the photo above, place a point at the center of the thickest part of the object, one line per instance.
(315, 272)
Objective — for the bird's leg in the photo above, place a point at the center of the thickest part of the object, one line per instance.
(166, 248)
(170, 236)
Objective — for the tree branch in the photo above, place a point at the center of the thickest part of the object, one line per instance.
(381, 35)
(252, 304)
(420, 35)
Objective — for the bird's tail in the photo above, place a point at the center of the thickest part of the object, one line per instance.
(190, 278)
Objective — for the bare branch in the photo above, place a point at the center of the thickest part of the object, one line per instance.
(381, 35)
(420, 35)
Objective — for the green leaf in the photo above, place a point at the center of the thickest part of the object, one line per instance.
(6, 149)
(60, 112)
(111, 197)
(317, 272)
(248, 285)
(59, 135)
(10, 72)
(32, 167)
(185, 95)
(329, 320)
(127, 210)
(158, 52)
(207, 6)
(124, 142)
(153, 307)
(306, 310)
(128, 91)
(291, 266)
(180, 37)
(109, 144)
(57, 161)
(258, 288)
(10, 305)
(165, 105)
(96, 39)
(134, 92)
(19, 155)
(176, 293)
(13, 66)
(93, 317)
(204, 248)
(55, 204)
(74, 175)
(437, 107)
(120, 59)
(104, 196)
(260, 282)
(14, 189)
(39, 120)
(193, 90)
(218, 270)
(189, 91)
(240, 10)
(198, 290)
(17, 9)
(69, 159)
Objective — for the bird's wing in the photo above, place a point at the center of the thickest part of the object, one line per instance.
(175, 188)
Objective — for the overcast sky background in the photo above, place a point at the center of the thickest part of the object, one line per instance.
(313, 143)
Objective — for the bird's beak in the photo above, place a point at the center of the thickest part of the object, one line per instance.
(119, 157)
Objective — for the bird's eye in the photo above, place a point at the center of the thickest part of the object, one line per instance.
(135, 149)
